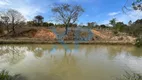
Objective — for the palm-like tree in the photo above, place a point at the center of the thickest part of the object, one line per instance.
(39, 19)
(113, 22)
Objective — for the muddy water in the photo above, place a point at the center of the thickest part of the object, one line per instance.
(70, 62)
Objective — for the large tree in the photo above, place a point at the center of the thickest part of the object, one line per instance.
(67, 13)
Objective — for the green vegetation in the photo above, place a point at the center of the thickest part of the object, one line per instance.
(139, 42)
(4, 75)
(130, 76)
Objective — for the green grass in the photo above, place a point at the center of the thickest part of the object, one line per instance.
(130, 76)
(4, 75)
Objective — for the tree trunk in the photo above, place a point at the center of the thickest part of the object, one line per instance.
(66, 32)
(13, 26)
(13, 29)
(7, 28)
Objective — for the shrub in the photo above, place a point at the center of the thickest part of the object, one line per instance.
(139, 42)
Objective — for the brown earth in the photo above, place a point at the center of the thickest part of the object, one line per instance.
(46, 34)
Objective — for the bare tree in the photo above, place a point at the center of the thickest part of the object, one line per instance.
(12, 18)
(67, 13)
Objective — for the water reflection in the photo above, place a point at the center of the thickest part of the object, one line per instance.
(12, 54)
(84, 62)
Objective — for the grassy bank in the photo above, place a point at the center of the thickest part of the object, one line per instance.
(34, 41)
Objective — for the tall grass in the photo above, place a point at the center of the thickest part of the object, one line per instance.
(130, 76)
(4, 75)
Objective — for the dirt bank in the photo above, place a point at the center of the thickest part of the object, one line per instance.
(81, 36)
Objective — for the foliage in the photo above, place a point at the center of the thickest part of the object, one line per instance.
(131, 76)
(137, 5)
(136, 28)
(103, 26)
(4, 75)
(38, 20)
(139, 42)
(30, 23)
(120, 26)
(46, 24)
(113, 22)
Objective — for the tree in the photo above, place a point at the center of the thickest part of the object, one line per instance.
(103, 26)
(91, 24)
(30, 23)
(67, 13)
(137, 5)
(5, 20)
(113, 22)
(50, 24)
(39, 19)
(139, 21)
(136, 28)
(130, 23)
(13, 18)
(120, 26)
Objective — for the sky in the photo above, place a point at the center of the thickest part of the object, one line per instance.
(99, 11)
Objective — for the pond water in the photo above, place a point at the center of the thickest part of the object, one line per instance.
(70, 62)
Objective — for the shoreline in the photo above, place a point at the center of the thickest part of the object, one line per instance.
(65, 42)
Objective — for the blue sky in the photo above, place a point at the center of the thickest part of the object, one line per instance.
(100, 11)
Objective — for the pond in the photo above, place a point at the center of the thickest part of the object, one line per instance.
(70, 62)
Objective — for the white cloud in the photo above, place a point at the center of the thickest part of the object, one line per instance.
(124, 17)
(113, 13)
(25, 7)
(4, 3)
(131, 15)
(87, 15)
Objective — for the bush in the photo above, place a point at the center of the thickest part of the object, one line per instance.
(139, 42)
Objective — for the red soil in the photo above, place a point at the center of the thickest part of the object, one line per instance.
(45, 34)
